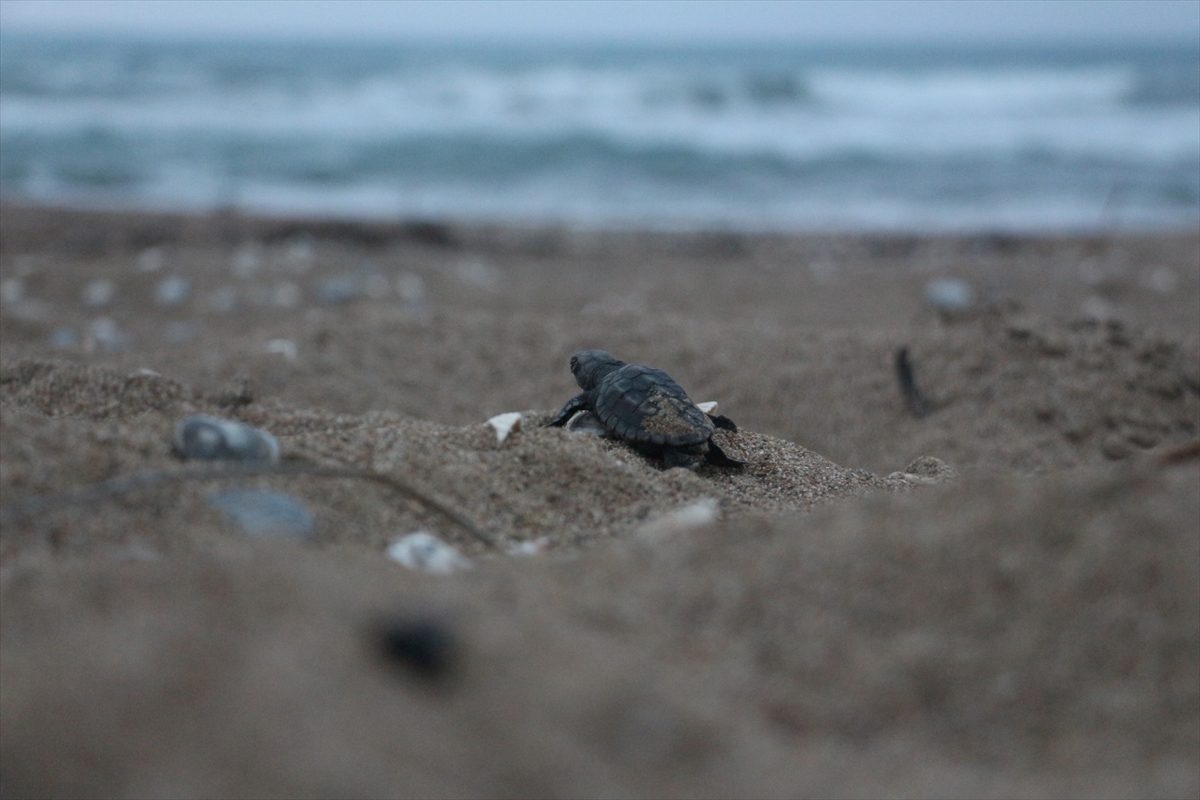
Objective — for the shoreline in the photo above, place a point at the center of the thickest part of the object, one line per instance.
(397, 224)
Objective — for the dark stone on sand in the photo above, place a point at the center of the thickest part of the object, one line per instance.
(422, 647)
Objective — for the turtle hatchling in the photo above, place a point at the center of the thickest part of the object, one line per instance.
(645, 407)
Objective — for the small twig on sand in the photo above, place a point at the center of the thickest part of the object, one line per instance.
(1178, 455)
(917, 404)
(152, 479)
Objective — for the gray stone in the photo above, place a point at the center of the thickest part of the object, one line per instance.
(206, 438)
(265, 513)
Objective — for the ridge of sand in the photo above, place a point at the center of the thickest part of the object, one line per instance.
(82, 425)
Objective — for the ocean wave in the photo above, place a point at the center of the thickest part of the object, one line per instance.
(689, 135)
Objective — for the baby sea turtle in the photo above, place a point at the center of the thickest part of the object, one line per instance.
(647, 408)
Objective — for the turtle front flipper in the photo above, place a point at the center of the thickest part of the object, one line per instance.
(722, 421)
(717, 456)
(577, 403)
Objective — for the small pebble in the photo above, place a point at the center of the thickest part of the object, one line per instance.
(172, 291)
(337, 290)
(205, 437)
(425, 552)
(98, 293)
(283, 347)
(949, 296)
(424, 647)
(505, 424)
(709, 407)
(266, 513)
(104, 334)
(533, 547)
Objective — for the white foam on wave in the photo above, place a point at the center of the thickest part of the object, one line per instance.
(959, 91)
(655, 142)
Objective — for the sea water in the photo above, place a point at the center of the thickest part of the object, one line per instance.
(1074, 137)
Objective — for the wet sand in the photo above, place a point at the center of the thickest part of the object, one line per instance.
(999, 598)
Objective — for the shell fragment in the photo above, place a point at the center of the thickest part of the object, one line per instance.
(505, 424)
(425, 552)
(693, 515)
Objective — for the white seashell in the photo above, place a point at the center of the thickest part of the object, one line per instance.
(425, 552)
(586, 423)
(504, 424)
(709, 407)
(283, 347)
(531, 548)
(693, 515)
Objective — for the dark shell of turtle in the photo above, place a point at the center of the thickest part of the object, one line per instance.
(643, 404)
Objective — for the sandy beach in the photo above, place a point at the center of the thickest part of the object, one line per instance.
(998, 598)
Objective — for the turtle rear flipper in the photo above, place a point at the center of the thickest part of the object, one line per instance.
(723, 422)
(577, 403)
(717, 456)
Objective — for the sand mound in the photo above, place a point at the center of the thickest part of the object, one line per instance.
(78, 426)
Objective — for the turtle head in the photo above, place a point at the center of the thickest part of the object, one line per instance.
(590, 366)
